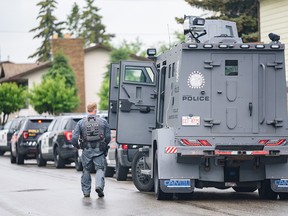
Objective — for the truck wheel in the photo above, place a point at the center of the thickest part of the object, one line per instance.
(159, 194)
(78, 163)
(283, 196)
(40, 159)
(59, 162)
(142, 182)
(12, 158)
(2, 152)
(108, 171)
(265, 191)
(244, 189)
(19, 158)
(121, 171)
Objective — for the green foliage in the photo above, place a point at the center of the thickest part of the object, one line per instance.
(12, 99)
(73, 21)
(48, 25)
(243, 12)
(92, 30)
(104, 95)
(61, 67)
(123, 52)
(53, 96)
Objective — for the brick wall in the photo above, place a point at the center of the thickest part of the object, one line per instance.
(73, 49)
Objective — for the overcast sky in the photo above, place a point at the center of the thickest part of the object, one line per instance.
(149, 20)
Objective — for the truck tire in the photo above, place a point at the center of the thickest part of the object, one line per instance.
(283, 196)
(159, 194)
(59, 162)
(265, 191)
(121, 172)
(142, 182)
(2, 152)
(108, 171)
(40, 160)
(244, 189)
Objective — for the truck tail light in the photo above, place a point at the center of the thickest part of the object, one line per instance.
(68, 135)
(272, 142)
(195, 142)
(25, 134)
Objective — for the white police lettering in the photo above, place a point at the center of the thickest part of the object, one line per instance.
(195, 98)
(281, 182)
(177, 183)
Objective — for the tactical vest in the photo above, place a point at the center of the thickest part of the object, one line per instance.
(91, 128)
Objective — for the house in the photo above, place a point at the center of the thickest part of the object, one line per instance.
(89, 65)
(273, 18)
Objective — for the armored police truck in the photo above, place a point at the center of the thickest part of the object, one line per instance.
(209, 112)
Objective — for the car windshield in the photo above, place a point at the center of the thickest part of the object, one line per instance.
(7, 125)
(38, 123)
(71, 123)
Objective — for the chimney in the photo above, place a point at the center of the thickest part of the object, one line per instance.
(73, 49)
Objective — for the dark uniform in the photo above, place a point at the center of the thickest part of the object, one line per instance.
(93, 136)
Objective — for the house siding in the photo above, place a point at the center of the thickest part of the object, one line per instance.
(273, 18)
(95, 66)
(34, 78)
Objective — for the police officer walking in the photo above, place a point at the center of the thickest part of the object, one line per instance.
(94, 133)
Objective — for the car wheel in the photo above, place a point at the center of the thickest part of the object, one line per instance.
(59, 162)
(109, 171)
(19, 158)
(12, 158)
(78, 163)
(40, 160)
(121, 171)
(142, 182)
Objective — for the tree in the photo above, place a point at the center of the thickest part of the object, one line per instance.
(12, 99)
(73, 21)
(92, 30)
(53, 96)
(243, 12)
(121, 53)
(61, 67)
(48, 25)
(57, 92)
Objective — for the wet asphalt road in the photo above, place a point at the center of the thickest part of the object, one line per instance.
(46, 191)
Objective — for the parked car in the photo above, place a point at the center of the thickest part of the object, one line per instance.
(55, 144)
(24, 140)
(119, 159)
(6, 134)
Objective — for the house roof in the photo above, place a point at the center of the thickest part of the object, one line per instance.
(11, 71)
(98, 46)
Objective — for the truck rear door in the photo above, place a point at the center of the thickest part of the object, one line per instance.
(137, 99)
(234, 94)
(113, 95)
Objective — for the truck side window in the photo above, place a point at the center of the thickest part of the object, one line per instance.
(231, 67)
(139, 74)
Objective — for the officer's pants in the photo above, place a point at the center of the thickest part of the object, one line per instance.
(88, 161)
